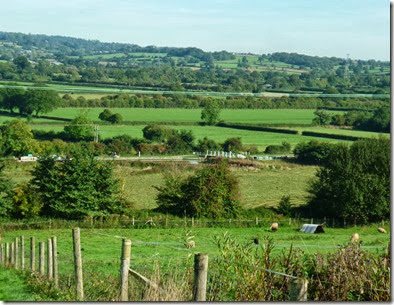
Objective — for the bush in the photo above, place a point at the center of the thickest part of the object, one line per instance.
(312, 152)
(278, 149)
(211, 192)
(285, 206)
(233, 145)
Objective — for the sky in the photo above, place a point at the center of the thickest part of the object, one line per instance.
(314, 27)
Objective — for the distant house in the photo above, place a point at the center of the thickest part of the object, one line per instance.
(267, 86)
(53, 61)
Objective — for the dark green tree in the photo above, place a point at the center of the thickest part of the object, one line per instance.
(354, 183)
(105, 114)
(76, 187)
(41, 101)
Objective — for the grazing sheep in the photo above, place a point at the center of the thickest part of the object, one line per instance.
(190, 244)
(274, 226)
(381, 230)
(355, 238)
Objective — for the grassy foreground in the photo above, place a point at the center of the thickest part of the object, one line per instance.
(159, 253)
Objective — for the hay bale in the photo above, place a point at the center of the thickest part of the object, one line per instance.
(274, 226)
(355, 238)
(381, 230)
(190, 244)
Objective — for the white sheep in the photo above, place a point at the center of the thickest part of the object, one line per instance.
(190, 244)
(381, 230)
(355, 238)
(274, 226)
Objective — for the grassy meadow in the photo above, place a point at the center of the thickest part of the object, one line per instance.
(250, 116)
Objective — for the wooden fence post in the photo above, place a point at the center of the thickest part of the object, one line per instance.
(124, 270)
(192, 222)
(41, 256)
(200, 277)
(7, 254)
(78, 263)
(12, 254)
(54, 263)
(257, 221)
(22, 252)
(16, 253)
(49, 260)
(32, 254)
(298, 289)
(1, 253)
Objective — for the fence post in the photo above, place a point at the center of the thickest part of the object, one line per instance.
(32, 254)
(7, 254)
(78, 263)
(200, 277)
(298, 289)
(42, 257)
(192, 222)
(1, 254)
(49, 260)
(54, 263)
(257, 221)
(16, 253)
(166, 220)
(12, 254)
(124, 270)
(22, 252)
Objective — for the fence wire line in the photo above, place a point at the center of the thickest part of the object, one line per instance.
(257, 268)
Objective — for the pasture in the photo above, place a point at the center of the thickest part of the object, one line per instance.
(250, 116)
(165, 246)
(261, 187)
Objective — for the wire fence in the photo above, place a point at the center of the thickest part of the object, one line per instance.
(10, 256)
(117, 221)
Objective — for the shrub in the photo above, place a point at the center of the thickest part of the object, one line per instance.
(278, 149)
(233, 144)
(105, 114)
(115, 118)
(211, 192)
(312, 152)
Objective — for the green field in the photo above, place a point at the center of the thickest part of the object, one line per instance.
(250, 116)
(165, 246)
(258, 187)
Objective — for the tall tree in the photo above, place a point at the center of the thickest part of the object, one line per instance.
(354, 183)
(76, 187)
